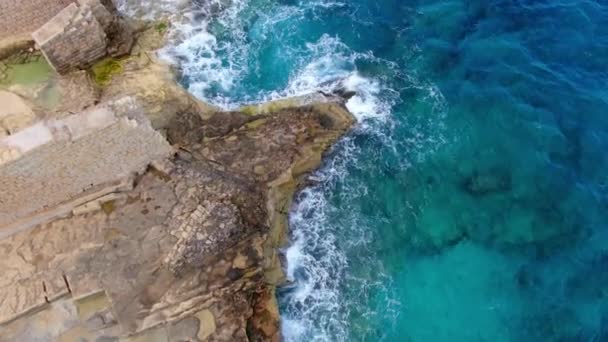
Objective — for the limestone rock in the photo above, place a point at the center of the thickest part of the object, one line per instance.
(188, 251)
(205, 232)
(154, 84)
(15, 113)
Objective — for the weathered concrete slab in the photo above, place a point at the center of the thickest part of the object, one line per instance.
(58, 161)
(55, 25)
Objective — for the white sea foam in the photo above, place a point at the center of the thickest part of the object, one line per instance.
(147, 9)
(316, 272)
(314, 304)
(209, 63)
(315, 264)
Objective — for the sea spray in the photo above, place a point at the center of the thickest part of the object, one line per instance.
(215, 69)
(151, 10)
(468, 203)
(225, 60)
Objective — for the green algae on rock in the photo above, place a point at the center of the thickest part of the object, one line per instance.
(24, 69)
(162, 27)
(103, 71)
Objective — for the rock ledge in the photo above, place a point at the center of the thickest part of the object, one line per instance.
(186, 249)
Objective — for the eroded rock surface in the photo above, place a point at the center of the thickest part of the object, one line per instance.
(189, 254)
(186, 250)
(15, 113)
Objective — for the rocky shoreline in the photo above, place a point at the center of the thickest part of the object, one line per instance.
(189, 249)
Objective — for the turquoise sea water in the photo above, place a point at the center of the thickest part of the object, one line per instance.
(470, 202)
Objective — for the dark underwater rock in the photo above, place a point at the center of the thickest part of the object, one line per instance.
(484, 183)
(553, 323)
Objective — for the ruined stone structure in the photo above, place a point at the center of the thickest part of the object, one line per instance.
(78, 35)
(70, 33)
(80, 157)
(22, 17)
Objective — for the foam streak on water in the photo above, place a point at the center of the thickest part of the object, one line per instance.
(215, 69)
(149, 10)
(469, 202)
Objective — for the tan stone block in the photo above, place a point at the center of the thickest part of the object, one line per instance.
(54, 286)
(207, 324)
(83, 285)
(94, 304)
(21, 297)
(87, 208)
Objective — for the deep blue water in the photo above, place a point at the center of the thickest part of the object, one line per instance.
(470, 202)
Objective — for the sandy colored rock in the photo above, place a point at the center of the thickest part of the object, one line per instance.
(15, 113)
(154, 84)
(61, 161)
(206, 326)
(195, 239)
(186, 251)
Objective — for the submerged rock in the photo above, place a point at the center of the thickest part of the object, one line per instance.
(488, 206)
(485, 183)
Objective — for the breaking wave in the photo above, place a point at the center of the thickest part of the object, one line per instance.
(221, 54)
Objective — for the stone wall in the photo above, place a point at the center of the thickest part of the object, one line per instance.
(52, 163)
(75, 37)
(22, 17)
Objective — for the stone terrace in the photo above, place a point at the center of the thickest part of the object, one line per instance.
(74, 159)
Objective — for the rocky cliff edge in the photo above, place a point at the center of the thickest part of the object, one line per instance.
(189, 252)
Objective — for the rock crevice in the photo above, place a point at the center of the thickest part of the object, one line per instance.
(183, 249)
